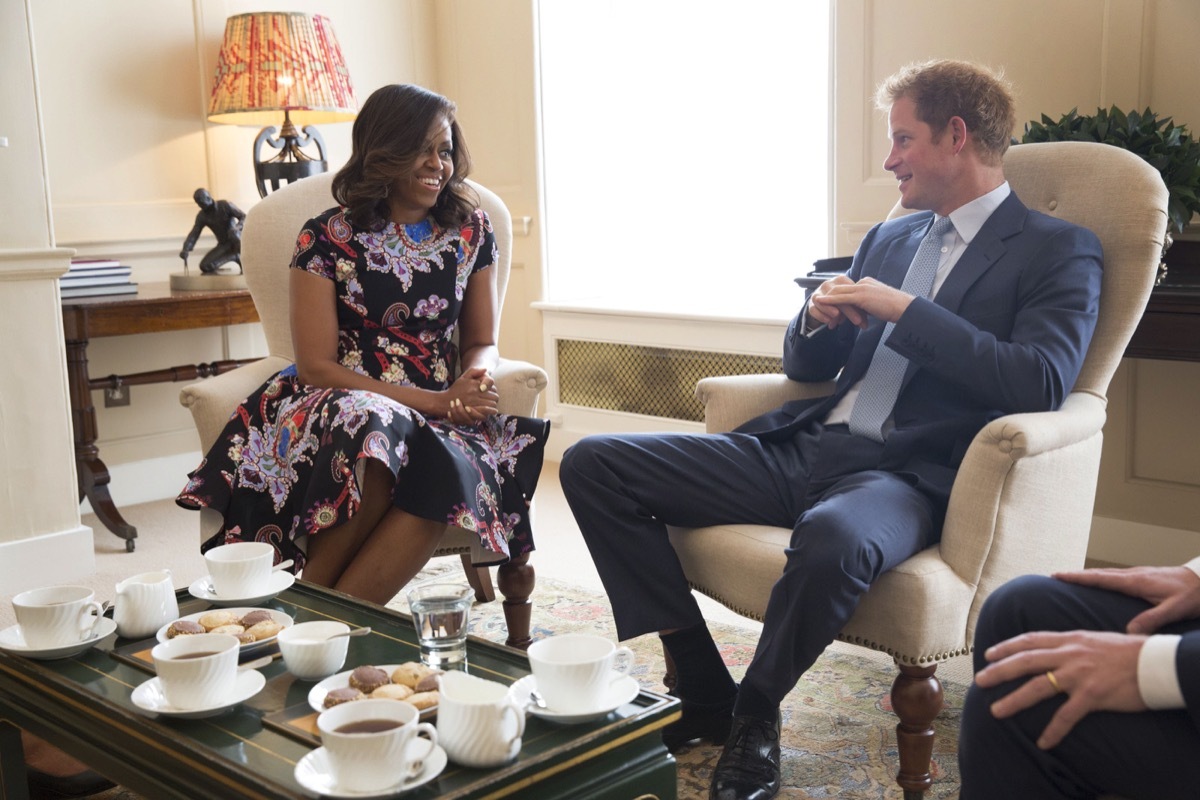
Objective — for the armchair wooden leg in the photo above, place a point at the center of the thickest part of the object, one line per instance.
(516, 579)
(480, 580)
(917, 699)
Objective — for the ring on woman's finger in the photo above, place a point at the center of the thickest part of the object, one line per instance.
(1053, 682)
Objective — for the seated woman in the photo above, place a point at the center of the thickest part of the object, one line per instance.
(352, 461)
(1074, 697)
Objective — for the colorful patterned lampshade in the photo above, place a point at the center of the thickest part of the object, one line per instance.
(289, 62)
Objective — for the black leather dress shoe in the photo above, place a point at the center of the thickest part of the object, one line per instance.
(748, 769)
(710, 722)
(44, 786)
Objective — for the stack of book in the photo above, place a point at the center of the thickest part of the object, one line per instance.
(91, 277)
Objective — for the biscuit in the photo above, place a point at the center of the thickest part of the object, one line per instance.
(392, 691)
(264, 630)
(410, 673)
(254, 617)
(183, 627)
(429, 683)
(367, 678)
(232, 630)
(215, 619)
(338, 696)
(423, 700)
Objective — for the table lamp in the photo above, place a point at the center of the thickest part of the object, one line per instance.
(282, 61)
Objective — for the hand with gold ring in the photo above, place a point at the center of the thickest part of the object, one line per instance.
(1086, 670)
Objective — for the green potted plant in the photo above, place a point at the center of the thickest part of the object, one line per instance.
(1167, 147)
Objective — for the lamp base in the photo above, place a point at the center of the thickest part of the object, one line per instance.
(292, 163)
(199, 282)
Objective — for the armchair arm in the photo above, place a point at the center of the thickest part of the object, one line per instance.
(211, 401)
(519, 384)
(1022, 500)
(730, 400)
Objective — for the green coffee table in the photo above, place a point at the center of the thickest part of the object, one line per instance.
(83, 705)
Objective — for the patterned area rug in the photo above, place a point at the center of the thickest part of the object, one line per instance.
(839, 736)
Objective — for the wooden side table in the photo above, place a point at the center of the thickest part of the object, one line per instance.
(154, 309)
(1170, 327)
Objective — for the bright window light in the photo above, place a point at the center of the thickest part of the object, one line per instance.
(685, 153)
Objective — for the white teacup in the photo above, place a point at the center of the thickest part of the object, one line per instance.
(574, 671)
(477, 723)
(368, 743)
(197, 671)
(56, 616)
(241, 569)
(309, 653)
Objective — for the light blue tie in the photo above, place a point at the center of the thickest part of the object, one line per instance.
(879, 387)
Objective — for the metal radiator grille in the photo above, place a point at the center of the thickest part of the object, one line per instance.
(656, 381)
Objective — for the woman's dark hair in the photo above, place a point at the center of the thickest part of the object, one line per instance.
(389, 134)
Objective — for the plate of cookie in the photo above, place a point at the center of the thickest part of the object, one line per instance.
(411, 681)
(255, 627)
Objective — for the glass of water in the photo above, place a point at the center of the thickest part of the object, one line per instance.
(440, 611)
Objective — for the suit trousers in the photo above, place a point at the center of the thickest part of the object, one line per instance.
(850, 522)
(1151, 754)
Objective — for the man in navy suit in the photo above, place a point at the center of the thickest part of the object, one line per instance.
(1087, 683)
(1000, 323)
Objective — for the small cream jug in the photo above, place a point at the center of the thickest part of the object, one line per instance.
(478, 724)
(144, 603)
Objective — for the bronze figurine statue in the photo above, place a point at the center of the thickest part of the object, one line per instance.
(224, 219)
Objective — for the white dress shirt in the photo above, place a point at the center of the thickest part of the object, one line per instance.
(1158, 681)
(967, 220)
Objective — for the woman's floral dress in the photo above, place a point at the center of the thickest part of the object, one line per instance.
(284, 468)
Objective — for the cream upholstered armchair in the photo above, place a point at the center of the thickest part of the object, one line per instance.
(268, 241)
(1022, 500)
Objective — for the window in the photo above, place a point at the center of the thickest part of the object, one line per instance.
(685, 153)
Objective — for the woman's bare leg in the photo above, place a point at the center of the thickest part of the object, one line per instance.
(331, 551)
(45, 757)
(379, 550)
(397, 549)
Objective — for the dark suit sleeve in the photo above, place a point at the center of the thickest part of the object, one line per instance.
(821, 356)
(1187, 668)
(1026, 360)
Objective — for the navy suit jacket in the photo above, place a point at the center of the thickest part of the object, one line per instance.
(1006, 333)
(1187, 667)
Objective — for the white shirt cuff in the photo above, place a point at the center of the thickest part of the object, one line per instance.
(1194, 565)
(809, 334)
(1158, 682)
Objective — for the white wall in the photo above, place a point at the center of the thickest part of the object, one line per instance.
(37, 477)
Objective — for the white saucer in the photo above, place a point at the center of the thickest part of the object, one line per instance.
(149, 697)
(314, 774)
(280, 580)
(11, 641)
(247, 650)
(622, 690)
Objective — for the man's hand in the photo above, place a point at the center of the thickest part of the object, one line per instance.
(1098, 672)
(1174, 591)
(840, 299)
